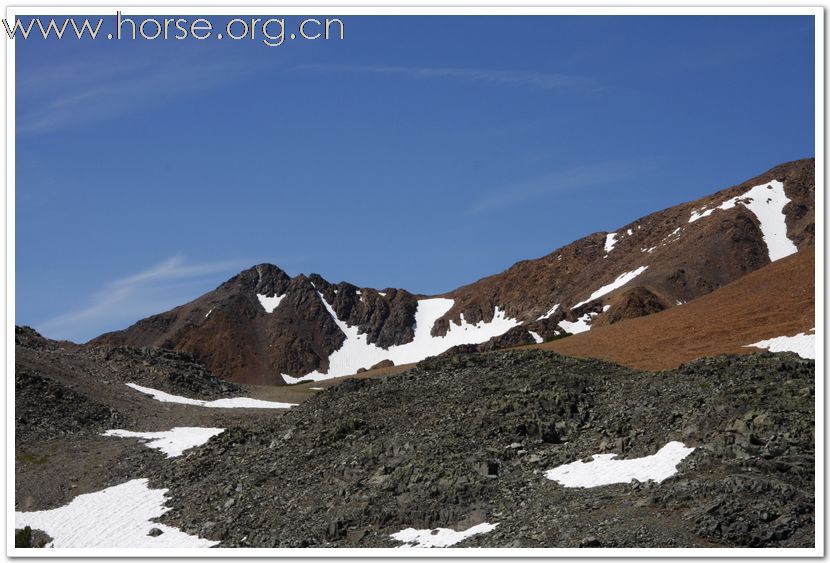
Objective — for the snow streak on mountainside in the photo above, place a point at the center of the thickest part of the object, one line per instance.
(767, 202)
(229, 403)
(356, 352)
(172, 443)
(621, 280)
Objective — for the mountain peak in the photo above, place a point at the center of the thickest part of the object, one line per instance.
(263, 326)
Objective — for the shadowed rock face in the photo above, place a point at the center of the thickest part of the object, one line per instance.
(230, 330)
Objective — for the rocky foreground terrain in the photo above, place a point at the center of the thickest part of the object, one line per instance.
(460, 441)
(67, 395)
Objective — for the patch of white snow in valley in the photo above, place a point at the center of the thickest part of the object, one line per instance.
(582, 324)
(603, 469)
(616, 284)
(536, 338)
(382, 293)
(439, 537)
(269, 303)
(119, 516)
(551, 311)
(767, 202)
(317, 388)
(356, 352)
(171, 442)
(802, 344)
(630, 232)
(230, 403)
(610, 241)
(208, 313)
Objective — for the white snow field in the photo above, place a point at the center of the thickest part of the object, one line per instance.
(767, 202)
(119, 517)
(616, 284)
(356, 352)
(536, 338)
(173, 442)
(231, 403)
(551, 311)
(610, 241)
(269, 303)
(803, 344)
(439, 537)
(603, 469)
(582, 324)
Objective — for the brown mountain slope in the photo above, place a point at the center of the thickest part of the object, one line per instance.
(684, 259)
(262, 323)
(777, 300)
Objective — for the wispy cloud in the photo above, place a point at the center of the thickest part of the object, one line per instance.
(575, 178)
(528, 79)
(130, 298)
(57, 97)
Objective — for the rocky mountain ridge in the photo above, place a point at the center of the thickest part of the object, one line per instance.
(263, 326)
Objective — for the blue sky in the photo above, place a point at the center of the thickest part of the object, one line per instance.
(422, 153)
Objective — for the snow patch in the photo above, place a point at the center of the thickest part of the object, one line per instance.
(802, 344)
(630, 232)
(208, 313)
(536, 338)
(232, 403)
(356, 352)
(439, 537)
(616, 284)
(700, 214)
(582, 324)
(382, 293)
(767, 202)
(551, 311)
(610, 241)
(603, 469)
(269, 303)
(119, 516)
(171, 442)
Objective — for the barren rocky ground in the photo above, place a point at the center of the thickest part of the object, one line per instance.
(453, 442)
(464, 440)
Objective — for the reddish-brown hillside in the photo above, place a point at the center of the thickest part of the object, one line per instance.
(777, 300)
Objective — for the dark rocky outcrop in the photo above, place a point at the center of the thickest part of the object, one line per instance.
(462, 440)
